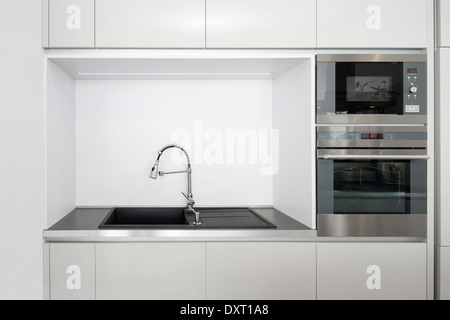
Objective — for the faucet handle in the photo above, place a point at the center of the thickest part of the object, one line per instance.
(190, 200)
(191, 204)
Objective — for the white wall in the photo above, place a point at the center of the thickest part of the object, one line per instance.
(60, 148)
(294, 184)
(121, 125)
(22, 147)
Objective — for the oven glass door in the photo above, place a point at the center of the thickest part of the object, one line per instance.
(369, 88)
(372, 187)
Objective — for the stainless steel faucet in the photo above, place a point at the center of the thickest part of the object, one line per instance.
(189, 197)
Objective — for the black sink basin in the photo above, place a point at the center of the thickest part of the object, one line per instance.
(180, 218)
(119, 218)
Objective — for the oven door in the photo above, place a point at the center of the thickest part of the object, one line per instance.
(372, 195)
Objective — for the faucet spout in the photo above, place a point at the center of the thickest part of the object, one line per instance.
(189, 197)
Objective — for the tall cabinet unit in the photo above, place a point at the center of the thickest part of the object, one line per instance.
(443, 131)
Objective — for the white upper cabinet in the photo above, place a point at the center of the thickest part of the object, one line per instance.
(444, 23)
(150, 23)
(261, 23)
(371, 23)
(70, 23)
(235, 24)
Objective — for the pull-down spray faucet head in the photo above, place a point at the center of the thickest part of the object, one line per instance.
(154, 173)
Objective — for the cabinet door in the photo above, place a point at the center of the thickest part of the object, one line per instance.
(150, 23)
(261, 271)
(71, 23)
(443, 275)
(157, 271)
(372, 24)
(261, 23)
(371, 271)
(72, 271)
(444, 23)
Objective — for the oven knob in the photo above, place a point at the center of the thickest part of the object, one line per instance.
(413, 90)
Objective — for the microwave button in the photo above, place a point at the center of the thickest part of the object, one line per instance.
(412, 108)
(413, 89)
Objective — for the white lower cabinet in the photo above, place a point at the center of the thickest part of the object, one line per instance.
(72, 271)
(241, 271)
(443, 285)
(261, 271)
(371, 271)
(159, 271)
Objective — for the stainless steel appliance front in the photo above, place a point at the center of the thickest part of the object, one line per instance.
(371, 89)
(372, 180)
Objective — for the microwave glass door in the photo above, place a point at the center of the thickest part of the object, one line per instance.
(372, 186)
(369, 88)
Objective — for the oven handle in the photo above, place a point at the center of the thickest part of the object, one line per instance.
(373, 157)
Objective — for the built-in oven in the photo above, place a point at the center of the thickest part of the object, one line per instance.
(372, 180)
(371, 89)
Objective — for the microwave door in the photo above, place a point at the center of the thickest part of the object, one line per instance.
(370, 88)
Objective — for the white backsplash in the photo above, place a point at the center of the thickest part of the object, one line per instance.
(121, 125)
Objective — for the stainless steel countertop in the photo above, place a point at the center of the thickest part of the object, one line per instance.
(81, 225)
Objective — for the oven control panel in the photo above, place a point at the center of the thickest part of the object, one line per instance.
(415, 88)
(372, 136)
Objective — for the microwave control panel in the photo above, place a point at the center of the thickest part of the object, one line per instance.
(415, 88)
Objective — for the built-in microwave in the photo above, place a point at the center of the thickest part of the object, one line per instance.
(371, 88)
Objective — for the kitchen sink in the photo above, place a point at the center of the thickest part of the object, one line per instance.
(180, 218)
(119, 218)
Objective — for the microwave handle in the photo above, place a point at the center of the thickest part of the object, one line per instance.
(373, 157)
